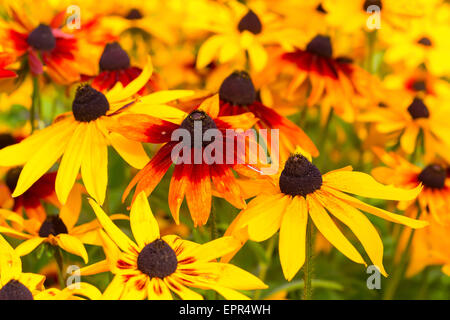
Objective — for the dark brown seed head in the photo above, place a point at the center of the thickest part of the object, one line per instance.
(238, 89)
(250, 22)
(6, 140)
(134, 14)
(157, 259)
(89, 104)
(417, 109)
(12, 176)
(14, 290)
(426, 42)
(192, 123)
(320, 45)
(42, 38)
(53, 225)
(114, 58)
(299, 177)
(369, 3)
(433, 176)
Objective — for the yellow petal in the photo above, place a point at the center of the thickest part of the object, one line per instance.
(158, 290)
(73, 245)
(236, 278)
(71, 162)
(143, 224)
(70, 212)
(28, 245)
(330, 231)
(408, 139)
(10, 263)
(213, 249)
(183, 292)
(292, 237)
(95, 268)
(364, 185)
(121, 240)
(131, 151)
(211, 106)
(164, 96)
(114, 289)
(43, 159)
(258, 56)
(386, 215)
(209, 50)
(360, 226)
(229, 294)
(269, 220)
(94, 167)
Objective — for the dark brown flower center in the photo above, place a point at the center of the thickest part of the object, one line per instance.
(157, 259)
(299, 177)
(89, 104)
(238, 89)
(321, 9)
(417, 109)
(433, 176)
(197, 123)
(12, 176)
(419, 85)
(250, 22)
(42, 38)
(425, 42)
(53, 225)
(369, 3)
(114, 58)
(14, 290)
(320, 45)
(134, 14)
(6, 140)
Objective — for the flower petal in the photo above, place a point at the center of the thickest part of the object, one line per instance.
(72, 245)
(28, 245)
(143, 224)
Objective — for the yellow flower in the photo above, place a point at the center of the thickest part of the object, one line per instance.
(57, 230)
(153, 266)
(239, 30)
(15, 284)
(301, 192)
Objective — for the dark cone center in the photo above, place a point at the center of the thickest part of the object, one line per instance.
(134, 14)
(238, 89)
(114, 58)
(320, 45)
(425, 42)
(197, 123)
(14, 290)
(433, 176)
(42, 38)
(369, 3)
(89, 104)
(12, 176)
(419, 85)
(157, 259)
(321, 9)
(299, 177)
(250, 22)
(53, 225)
(6, 140)
(417, 109)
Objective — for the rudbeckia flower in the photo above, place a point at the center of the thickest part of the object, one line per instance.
(15, 284)
(192, 179)
(75, 291)
(237, 95)
(334, 82)
(301, 193)
(44, 46)
(435, 196)
(153, 267)
(81, 138)
(238, 30)
(412, 117)
(115, 66)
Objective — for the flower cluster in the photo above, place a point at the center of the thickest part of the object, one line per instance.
(256, 112)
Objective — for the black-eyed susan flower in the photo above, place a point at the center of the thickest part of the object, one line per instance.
(237, 95)
(434, 199)
(44, 45)
(301, 192)
(57, 230)
(153, 266)
(115, 66)
(411, 117)
(15, 284)
(191, 178)
(239, 30)
(81, 138)
(75, 291)
(332, 82)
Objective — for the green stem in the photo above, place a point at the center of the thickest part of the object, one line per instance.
(265, 267)
(213, 222)
(60, 262)
(308, 267)
(35, 103)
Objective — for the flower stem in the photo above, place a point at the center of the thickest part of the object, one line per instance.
(213, 222)
(263, 272)
(35, 103)
(60, 262)
(307, 267)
